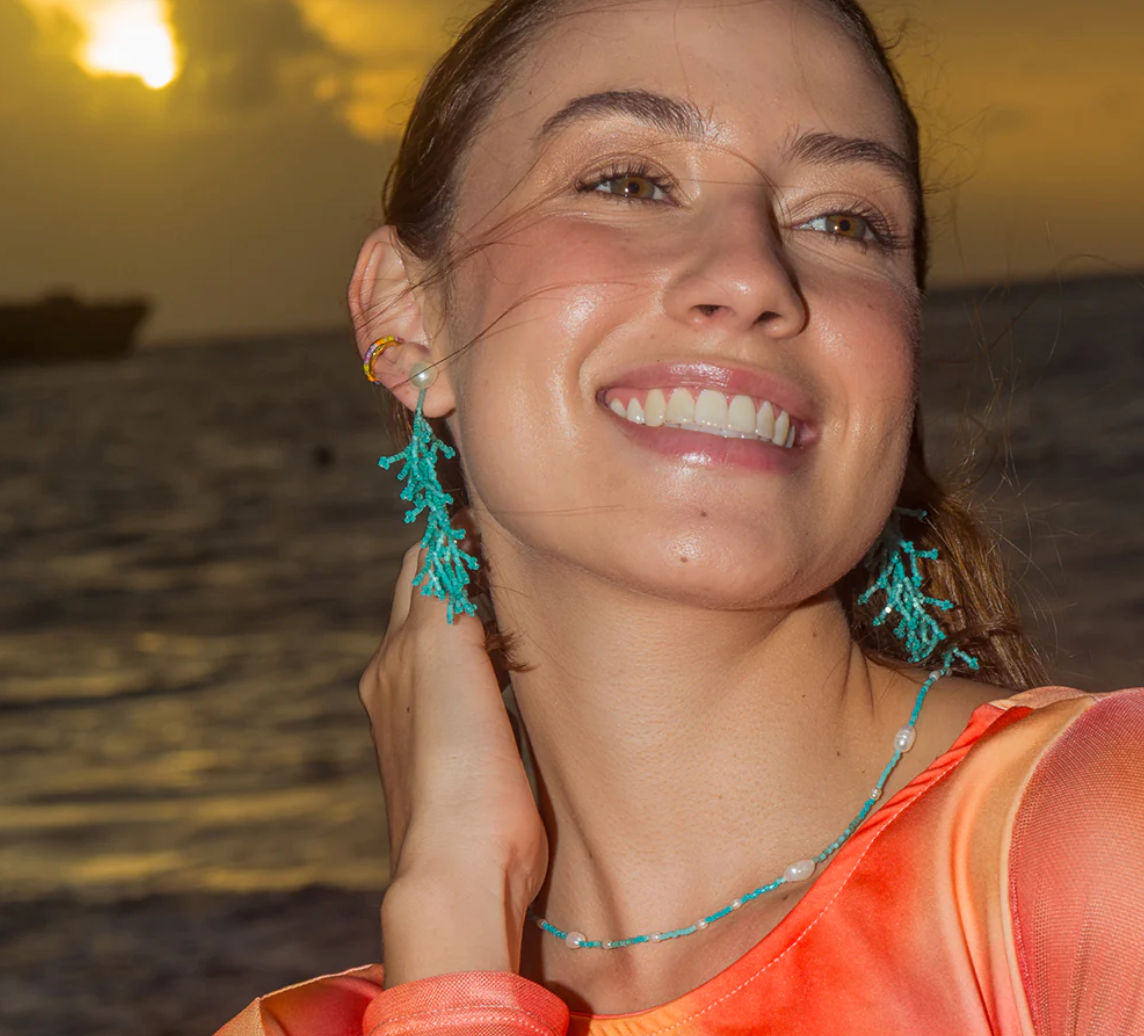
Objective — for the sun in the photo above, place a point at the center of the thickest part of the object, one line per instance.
(131, 38)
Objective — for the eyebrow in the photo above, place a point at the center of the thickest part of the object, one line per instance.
(683, 119)
(832, 150)
(675, 116)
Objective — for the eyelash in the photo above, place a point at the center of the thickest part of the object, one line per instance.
(884, 236)
(627, 171)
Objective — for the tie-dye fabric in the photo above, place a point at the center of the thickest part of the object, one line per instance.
(1001, 892)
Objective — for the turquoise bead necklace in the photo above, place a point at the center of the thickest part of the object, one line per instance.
(895, 562)
(800, 871)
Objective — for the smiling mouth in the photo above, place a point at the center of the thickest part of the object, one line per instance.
(708, 412)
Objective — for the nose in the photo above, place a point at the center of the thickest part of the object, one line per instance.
(735, 277)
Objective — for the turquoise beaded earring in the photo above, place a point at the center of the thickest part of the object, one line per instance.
(895, 564)
(444, 572)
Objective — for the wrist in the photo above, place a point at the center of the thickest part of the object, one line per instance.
(435, 924)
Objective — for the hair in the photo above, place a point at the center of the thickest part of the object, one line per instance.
(420, 197)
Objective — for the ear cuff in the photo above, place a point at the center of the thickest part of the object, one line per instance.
(374, 351)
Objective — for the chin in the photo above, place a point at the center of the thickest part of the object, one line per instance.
(700, 571)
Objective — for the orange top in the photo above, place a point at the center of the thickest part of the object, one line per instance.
(1001, 891)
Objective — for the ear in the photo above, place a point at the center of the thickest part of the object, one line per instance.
(383, 302)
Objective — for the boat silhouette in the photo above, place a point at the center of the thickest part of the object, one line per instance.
(61, 328)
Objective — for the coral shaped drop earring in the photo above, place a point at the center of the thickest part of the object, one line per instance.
(895, 564)
(445, 569)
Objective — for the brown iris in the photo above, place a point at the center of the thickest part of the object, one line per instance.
(638, 187)
(845, 224)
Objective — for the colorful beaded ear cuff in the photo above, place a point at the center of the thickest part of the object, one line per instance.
(374, 351)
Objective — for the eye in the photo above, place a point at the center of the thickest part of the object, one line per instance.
(843, 224)
(631, 187)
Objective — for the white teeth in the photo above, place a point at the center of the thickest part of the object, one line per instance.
(741, 415)
(782, 428)
(765, 425)
(655, 409)
(711, 414)
(681, 407)
(711, 409)
(705, 429)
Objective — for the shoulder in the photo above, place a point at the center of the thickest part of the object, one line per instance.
(1076, 871)
(1042, 729)
(1099, 750)
(1056, 760)
(1084, 798)
(1034, 771)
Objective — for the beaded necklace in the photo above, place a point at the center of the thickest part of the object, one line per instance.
(895, 562)
(801, 870)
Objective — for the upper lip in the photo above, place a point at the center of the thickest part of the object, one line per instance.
(733, 380)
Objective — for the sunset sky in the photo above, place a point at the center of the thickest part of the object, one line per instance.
(226, 156)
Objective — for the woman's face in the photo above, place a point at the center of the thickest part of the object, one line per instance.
(696, 215)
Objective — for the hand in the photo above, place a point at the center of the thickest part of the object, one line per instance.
(468, 849)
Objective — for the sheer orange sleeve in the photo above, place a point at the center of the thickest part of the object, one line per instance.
(477, 1003)
(481, 1003)
(330, 1006)
(1076, 876)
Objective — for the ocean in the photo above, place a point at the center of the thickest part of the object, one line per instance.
(196, 556)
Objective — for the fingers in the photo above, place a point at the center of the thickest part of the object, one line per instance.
(403, 591)
(409, 602)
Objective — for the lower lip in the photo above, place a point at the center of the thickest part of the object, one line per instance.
(702, 450)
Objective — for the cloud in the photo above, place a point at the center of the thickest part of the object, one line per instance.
(240, 53)
(35, 62)
(394, 42)
(17, 40)
(237, 201)
(237, 197)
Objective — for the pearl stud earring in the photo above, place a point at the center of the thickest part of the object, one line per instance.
(421, 376)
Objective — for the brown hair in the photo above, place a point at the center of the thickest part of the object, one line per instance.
(420, 200)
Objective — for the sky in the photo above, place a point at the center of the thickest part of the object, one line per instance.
(226, 157)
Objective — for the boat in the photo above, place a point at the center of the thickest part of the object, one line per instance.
(62, 328)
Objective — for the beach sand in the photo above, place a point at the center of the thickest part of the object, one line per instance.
(196, 555)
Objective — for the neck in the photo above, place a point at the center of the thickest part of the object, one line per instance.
(683, 753)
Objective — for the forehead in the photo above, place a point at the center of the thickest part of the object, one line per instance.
(758, 70)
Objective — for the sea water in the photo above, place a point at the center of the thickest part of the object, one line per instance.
(197, 552)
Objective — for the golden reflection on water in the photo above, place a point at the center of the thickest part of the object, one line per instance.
(169, 763)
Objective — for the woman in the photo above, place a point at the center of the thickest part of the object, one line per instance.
(655, 268)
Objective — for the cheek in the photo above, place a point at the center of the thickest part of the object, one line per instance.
(532, 317)
(538, 308)
(560, 272)
(866, 342)
(869, 339)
